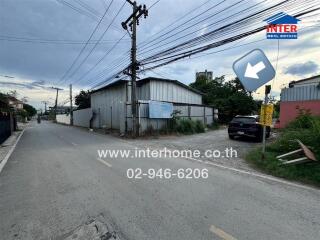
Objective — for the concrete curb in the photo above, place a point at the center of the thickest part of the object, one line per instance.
(4, 161)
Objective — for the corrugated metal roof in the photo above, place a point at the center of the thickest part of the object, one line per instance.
(145, 80)
(303, 93)
(303, 80)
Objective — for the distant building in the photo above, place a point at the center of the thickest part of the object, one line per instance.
(207, 74)
(302, 94)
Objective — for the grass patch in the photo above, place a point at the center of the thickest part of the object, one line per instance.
(188, 126)
(305, 128)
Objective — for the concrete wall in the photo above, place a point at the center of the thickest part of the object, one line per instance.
(289, 110)
(63, 118)
(82, 117)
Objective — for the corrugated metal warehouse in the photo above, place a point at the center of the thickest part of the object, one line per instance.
(303, 94)
(111, 105)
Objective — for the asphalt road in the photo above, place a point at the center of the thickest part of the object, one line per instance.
(54, 182)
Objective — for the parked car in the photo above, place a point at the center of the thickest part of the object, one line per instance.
(248, 126)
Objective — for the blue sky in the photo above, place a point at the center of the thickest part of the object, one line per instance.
(38, 65)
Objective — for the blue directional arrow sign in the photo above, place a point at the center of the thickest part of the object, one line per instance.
(254, 70)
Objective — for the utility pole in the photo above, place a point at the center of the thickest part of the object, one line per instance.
(45, 106)
(133, 21)
(56, 103)
(266, 92)
(71, 107)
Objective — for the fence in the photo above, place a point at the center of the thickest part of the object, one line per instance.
(5, 126)
(63, 118)
(81, 118)
(205, 114)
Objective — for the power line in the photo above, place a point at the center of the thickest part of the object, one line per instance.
(220, 31)
(95, 45)
(213, 45)
(101, 59)
(88, 12)
(205, 37)
(152, 5)
(55, 41)
(176, 21)
(83, 48)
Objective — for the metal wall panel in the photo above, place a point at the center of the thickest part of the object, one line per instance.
(171, 92)
(303, 93)
(143, 92)
(201, 113)
(109, 108)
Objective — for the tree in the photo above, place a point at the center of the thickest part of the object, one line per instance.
(82, 100)
(230, 97)
(31, 111)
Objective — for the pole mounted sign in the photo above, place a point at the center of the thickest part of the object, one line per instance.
(254, 70)
(266, 114)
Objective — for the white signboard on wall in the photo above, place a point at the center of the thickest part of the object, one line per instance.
(160, 109)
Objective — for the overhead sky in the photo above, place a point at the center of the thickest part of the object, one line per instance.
(39, 40)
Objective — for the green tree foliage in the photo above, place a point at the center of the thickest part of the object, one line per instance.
(230, 97)
(31, 111)
(82, 100)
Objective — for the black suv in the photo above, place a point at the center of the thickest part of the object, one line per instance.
(247, 126)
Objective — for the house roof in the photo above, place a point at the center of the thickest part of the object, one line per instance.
(303, 80)
(145, 80)
(282, 18)
(13, 99)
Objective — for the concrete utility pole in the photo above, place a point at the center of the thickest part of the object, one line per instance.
(71, 107)
(45, 106)
(137, 12)
(56, 103)
(266, 92)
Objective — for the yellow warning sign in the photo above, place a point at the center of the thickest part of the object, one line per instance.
(266, 114)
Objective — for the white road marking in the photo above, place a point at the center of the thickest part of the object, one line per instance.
(74, 144)
(4, 161)
(254, 174)
(104, 162)
(220, 233)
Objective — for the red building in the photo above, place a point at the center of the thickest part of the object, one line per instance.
(303, 94)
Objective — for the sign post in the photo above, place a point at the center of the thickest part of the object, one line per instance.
(254, 70)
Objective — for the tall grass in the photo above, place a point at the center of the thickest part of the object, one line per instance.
(306, 128)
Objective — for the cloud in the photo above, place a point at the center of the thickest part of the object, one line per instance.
(25, 84)
(301, 69)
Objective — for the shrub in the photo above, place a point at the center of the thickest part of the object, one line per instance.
(306, 128)
(199, 127)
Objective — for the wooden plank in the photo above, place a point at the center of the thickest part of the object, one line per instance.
(296, 161)
(289, 153)
(307, 151)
